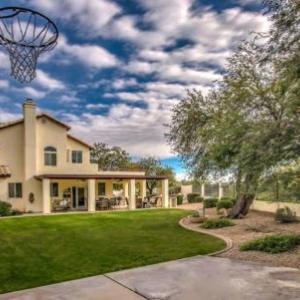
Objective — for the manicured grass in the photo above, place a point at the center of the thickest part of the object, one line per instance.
(36, 251)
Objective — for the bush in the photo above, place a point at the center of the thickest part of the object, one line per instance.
(5, 209)
(233, 200)
(16, 212)
(216, 223)
(179, 199)
(194, 198)
(195, 214)
(210, 202)
(273, 243)
(285, 215)
(224, 203)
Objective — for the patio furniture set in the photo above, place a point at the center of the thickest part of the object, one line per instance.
(104, 203)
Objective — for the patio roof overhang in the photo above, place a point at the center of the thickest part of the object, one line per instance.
(99, 177)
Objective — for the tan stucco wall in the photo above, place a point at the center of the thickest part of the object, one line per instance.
(272, 206)
(52, 134)
(185, 190)
(11, 154)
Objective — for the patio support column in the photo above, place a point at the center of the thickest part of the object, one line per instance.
(46, 196)
(109, 188)
(203, 190)
(91, 195)
(125, 187)
(143, 189)
(220, 190)
(165, 192)
(132, 200)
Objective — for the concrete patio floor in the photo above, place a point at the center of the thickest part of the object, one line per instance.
(198, 278)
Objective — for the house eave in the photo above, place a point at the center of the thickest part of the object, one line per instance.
(98, 177)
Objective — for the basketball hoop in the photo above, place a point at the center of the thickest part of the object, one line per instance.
(25, 34)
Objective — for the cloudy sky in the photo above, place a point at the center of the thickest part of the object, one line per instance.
(119, 66)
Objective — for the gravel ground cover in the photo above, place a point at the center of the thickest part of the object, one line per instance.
(253, 226)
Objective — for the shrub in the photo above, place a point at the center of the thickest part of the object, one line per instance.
(224, 203)
(5, 209)
(179, 199)
(233, 200)
(210, 202)
(196, 214)
(194, 198)
(16, 212)
(216, 223)
(285, 215)
(273, 243)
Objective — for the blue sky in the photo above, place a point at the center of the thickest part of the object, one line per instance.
(120, 66)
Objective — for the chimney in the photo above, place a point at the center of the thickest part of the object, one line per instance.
(29, 112)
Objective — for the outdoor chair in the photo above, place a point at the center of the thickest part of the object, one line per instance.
(102, 204)
(139, 202)
(146, 202)
(61, 205)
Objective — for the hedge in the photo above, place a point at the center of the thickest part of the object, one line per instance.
(179, 199)
(210, 202)
(194, 198)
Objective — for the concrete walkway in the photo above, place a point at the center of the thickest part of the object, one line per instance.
(207, 278)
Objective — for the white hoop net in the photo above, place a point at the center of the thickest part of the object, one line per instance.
(25, 34)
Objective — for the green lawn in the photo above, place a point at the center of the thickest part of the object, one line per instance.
(36, 251)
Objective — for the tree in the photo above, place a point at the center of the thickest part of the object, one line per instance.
(153, 167)
(248, 124)
(110, 158)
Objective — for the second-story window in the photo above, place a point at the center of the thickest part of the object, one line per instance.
(50, 156)
(76, 157)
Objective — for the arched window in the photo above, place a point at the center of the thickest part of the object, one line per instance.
(50, 156)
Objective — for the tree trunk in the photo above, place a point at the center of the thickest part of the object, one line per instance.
(246, 196)
(150, 184)
(238, 184)
(242, 206)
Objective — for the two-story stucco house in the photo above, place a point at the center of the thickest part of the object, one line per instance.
(40, 162)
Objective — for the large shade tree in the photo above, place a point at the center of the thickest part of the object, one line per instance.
(250, 122)
(110, 158)
(153, 167)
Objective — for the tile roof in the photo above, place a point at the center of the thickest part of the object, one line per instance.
(4, 171)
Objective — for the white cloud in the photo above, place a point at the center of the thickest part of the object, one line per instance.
(88, 17)
(173, 72)
(69, 98)
(32, 92)
(4, 61)
(96, 106)
(182, 176)
(153, 55)
(139, 67)
(92, 56)
(6, 116)
(122, 83)
(132, 97)
(139, 131)
(4, 84)
(45, 80)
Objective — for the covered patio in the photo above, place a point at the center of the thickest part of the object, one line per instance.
(84, 192)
